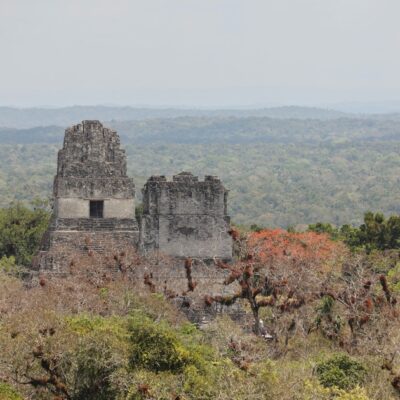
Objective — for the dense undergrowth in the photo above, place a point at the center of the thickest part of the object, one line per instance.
(68, 339)
(329, 312)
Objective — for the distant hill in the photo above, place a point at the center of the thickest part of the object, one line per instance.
(369, 107)
(45, 134)
(225, 130)
(33, 117)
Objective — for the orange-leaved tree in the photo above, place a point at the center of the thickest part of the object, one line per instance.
(277, 245)
(280, 269)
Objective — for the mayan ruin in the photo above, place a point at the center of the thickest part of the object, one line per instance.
(94, 206)
(186, 217)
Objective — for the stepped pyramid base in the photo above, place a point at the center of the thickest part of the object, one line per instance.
(70, 239)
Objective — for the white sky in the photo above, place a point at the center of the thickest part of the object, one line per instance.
(198, 52)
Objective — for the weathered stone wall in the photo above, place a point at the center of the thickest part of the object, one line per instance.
(182, 218)
(67, 248)
(91, 150)
(119, 208)
(91, 166)
(71, 207)
(80, 255)
(186, 217)
(79, 208)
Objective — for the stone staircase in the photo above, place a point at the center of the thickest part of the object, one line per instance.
(94, 224)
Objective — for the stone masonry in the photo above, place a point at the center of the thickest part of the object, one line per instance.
(186, 217)
(94, 199)
(94, 207)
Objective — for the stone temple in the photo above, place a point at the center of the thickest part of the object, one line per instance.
(186, 217)
(94, 206)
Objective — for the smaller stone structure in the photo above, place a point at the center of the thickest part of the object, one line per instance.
(186, 217)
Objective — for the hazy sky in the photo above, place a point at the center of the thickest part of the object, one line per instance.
(198, 52)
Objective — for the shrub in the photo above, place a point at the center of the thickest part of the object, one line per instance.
(394, 278)
(8, 393)
(199, 386)
(341, 371)
(148, 385)
(156, 347)
(97, 357)
(21, 230)
(8, 265)
(314, 391)
(95, 366)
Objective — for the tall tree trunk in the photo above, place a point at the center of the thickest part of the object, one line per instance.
(254, 309)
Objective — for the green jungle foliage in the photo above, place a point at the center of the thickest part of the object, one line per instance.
(87, 337)
(58, 353)
(8, 393)
(341, 371)
(376, 232)
(21, 230)
(279, 172)
(157, 348)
